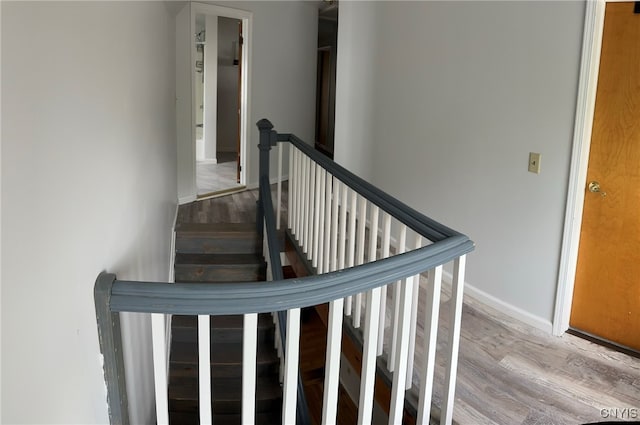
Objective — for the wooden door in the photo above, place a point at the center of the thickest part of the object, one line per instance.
(238, 156)
(606, 299)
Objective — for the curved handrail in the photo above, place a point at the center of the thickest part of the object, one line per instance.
(279, 295)
(425, 226)
(276, 272)
(258, 297)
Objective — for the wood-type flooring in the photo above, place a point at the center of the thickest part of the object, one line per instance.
(508, 373)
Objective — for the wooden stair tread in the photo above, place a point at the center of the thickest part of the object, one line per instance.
(221, 354)
(221, 252)
(224, 329)
(221, 322)
(191, 418)
(223, 389)
(215, 228)
(227, 260)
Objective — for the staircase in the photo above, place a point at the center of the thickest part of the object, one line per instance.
(218, 253)
(332, 229)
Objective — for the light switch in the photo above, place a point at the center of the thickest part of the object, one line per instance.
(534, 162)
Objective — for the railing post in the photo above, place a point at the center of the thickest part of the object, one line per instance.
(110, 339)
(267, 139)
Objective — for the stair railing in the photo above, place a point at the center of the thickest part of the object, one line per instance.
(346, 274)
(336, 219)
(286, 338)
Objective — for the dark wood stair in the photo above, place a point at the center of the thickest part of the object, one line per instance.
(212, 268)
(217, 238)
(218, 253)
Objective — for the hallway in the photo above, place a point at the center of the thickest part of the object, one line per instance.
(212, 178)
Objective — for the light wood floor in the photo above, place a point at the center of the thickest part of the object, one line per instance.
(508, 373)
(511, 373)
(221, 176)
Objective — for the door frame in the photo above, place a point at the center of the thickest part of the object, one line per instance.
(585, 106)
(245, 84)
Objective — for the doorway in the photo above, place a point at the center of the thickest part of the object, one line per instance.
(604, 299)
(326, 79)
(218, 71)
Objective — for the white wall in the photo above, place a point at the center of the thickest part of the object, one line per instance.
(88, 184)
(356, 86)
(463, 91)
(285, 39)
(283, 76)
(185, 132)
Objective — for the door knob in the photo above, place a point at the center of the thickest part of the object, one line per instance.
(594, 187)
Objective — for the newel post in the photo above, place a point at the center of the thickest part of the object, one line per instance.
(110, 340)
(268, 138)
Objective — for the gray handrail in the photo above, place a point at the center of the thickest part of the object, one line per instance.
(265, 209)
(276, 272)
(258, 297)
(425, 226)
(279, 295)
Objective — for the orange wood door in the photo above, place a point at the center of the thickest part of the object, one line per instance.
(606, 299)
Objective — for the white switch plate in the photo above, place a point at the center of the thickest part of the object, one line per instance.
(534, 162)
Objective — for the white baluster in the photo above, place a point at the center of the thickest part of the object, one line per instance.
(344, 193)
(290, 386)
(432, 304)
(319, 219)
(455, 320)
(400, 349)
(402, 242)
(351, 254)
(313, 236)
(291, 190)
(327, 222)
(298, 200)
(332, 365)
(368, 376)
(304, 219)
(204, 368)
(158, 341)
(373, 233)
(385, 244)
(249, 355)
(362, 225)
(279, 188)
(414, 319)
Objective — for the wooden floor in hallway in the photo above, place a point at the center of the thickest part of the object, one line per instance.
(509, 373)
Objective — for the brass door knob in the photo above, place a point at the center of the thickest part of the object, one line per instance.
(594, 187)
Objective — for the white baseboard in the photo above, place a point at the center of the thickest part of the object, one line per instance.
(187, 199)
(502, 306)
(207, 161)
(485, 298)
(273, 180)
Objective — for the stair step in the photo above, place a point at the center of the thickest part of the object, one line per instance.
(226, 395)
(221, 238)
(289, 272)
(224, 329)
(190, 267)
(226, 360)
(218, 259)
(191, 418)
